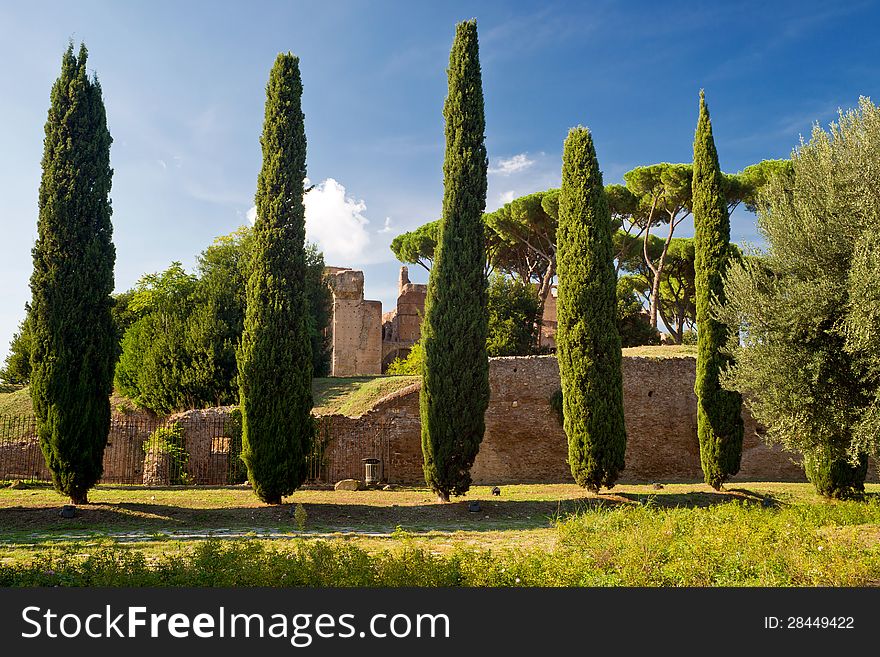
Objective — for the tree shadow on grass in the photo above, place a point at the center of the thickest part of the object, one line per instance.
(697, 499)
(151, 518)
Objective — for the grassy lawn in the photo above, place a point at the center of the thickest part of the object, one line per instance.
(662, 351)
(14, 401)
(683, 534)
(354, 396)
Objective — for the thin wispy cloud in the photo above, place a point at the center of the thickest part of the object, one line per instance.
(508, 166)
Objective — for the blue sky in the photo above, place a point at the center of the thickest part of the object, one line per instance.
(184, 86)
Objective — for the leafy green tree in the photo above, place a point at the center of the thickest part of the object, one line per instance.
(802, 359)
(587, 340)
(719, 412)
(676, 304)
(525, 232)
(165, 364)
(275, 359)
(513, 308)
(417, 246)
(455, 380)
(632, 320)
(73, 342)
(862, 327)
(185, 329)
(17, 368)
(755, 178)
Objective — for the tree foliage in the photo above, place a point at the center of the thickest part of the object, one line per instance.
(514, 315)
(17, 368)
(180, 349)
(520, 236)
(71, 328)
(417, 246)
(275, 359)
(805, 359)
(632, 321)
(719, 412)
(588, 343)
(455, 380)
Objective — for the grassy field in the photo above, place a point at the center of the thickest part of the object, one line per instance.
(683, 534)
(663, 351)
(354, 396)
(15, 401)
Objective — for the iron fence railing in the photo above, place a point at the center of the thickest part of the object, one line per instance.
(204, 449)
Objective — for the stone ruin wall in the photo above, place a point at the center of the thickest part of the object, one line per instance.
(524, 441)
(401, 327)
(357, 326)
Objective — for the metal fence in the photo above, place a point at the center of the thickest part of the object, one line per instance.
(155, 451)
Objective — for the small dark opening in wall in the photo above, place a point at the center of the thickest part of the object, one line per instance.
(650, 393)
(514, 369)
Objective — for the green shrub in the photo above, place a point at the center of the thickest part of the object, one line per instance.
(833, 475)
(170, 440)
(410, 365)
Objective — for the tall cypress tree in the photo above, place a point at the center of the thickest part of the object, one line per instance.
(455, 384)
(719, 412)
(73, 339)
(275, 359)
(587, 338)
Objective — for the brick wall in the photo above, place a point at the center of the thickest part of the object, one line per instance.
(524, 441)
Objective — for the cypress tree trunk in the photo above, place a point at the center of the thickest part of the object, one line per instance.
(72, 332)
(455, 384)
(587, 338)
(275, 359)
(719, 412)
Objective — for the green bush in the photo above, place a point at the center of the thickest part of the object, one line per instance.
(170, 440)
(410, 365)
(833, 475)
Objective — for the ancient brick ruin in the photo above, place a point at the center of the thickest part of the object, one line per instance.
(401, 327)
(523, 443)
(360, 330)
(357, 325)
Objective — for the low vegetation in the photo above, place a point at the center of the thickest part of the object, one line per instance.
(354, 396)
(549, 535)
(15, 401)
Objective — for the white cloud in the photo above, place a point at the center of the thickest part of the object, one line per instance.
(336, 222)
(506, 197)
(515, 164)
